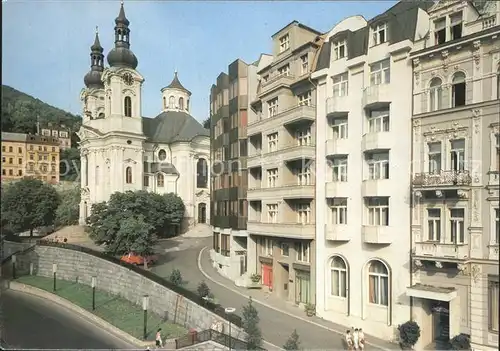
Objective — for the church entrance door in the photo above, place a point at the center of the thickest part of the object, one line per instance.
(202, 213)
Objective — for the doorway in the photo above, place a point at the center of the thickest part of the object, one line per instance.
(267, 276)
(302, 287)
(202, 212)
(440, 322)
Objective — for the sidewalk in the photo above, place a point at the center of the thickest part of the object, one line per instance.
(314, 332)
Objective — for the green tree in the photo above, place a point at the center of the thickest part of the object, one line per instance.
(137, 235)
(69, 166)
(29, 204)
(409, 333)
(203, 289)
(206, 123)
(293, 342)
(176, 277)
(68, 211)
(251, 326)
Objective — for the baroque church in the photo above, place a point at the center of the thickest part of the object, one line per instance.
(122, 150)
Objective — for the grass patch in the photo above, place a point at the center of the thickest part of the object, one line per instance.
(113, 309)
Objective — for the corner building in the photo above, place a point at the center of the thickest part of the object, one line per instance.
(363, 158)
(455, 174)
(281, 144)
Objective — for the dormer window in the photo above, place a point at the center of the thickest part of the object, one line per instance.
(284, 43)
(339, 49)
(440, 31)
(456, 26)
(380, 34)
(284, 70)
(304, 64)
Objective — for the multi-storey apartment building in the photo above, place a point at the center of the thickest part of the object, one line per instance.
(229, 111)
(363, 158)
(62, 133)
(13, 155)
(281, 144)
(456, 140)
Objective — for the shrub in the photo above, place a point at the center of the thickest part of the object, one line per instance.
(293, 342)
(176, 277)
(251, 326)
(460, 342)
(409, 333)
(203, 289)
(255, 278)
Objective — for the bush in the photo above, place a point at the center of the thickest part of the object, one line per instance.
(251, 326)
(460, 342)
(409, 333)
(203, 289)
(293, 342)
(176, 277)
(255, 278)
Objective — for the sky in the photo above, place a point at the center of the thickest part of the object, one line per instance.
(46, 44)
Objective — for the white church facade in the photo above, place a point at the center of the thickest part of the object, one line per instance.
(121, 150)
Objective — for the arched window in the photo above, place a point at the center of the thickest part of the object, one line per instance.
(127, 106)
(187, 105)
(164, 102)
(338, 276)
(128, 175)
(160, 180)
(201, 173)
(436, 94)
(97, 175)
(181, 104)
(162, 155)
(171, 102)
(378, 283)
(101, 115)
(458, 90)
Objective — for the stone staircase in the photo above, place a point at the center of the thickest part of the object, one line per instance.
(198, 231)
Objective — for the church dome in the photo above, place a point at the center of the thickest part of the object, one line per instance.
(93, 79)
(122, 57)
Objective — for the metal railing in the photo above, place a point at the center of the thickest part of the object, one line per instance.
(442, 178)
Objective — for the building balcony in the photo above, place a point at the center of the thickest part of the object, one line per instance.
(337, 147)
(376, 187)
(337, 106)
(440, 250)
(288, 230)
(291, 115)
(443, 179)
(493, 252)
(376, 96)
(281, 192)
(377, 234)
(377, 141)
(284, 154)
(338, 189)
(275, 82)
(337, 232)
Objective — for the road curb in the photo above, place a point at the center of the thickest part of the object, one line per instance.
(82, 312)
(271, 307)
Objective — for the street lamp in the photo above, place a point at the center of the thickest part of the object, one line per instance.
(93, 292)
(229, 311)
(54, 272)
(145, 302)
(14, 266)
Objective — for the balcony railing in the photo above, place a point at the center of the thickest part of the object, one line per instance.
(337, 105)
(288, 230)
(274, 81)
(443, 178)
(441, 250)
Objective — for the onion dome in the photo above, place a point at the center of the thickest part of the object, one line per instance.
(93, 78)
(121, 55)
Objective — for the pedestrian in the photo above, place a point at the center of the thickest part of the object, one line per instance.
(159, 341)
(355, 339)
(348, 339)
(361, 339)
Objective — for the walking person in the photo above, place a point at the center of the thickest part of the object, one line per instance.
(348, 340)
(355, 339)
(361, 339)
(159, 341)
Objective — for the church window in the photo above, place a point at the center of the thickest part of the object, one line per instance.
(202, 173)
(146, 180)
(162, 155)
(127, 104)
(164, 102)
(171, 102)
(160, 180)
(97, 175)
(181, 104)
(187, 105)
(101, 115)
(128, 175)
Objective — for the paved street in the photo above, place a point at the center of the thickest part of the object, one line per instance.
(29, 322)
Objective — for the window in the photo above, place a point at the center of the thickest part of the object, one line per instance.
(171, 102)
(303, 213)
(380, 73)
(340, 84)
(20, 150)
(272, 107)
(181, 104)
(302, 250)
(160, 180)
(457, 225)
(339, 50)
(304, 176)
(128, 175)
(4, 171)
(11, 149)
(97, 175)
(304, 64)
(457, 155)
(378, 165)
(493, 304)
(3, 159)
(440, 31)
(272, 142)
(303, 136)
(11, 172)
(339, 169)
(266, 246)
(284, 43)
(272, 178)
(3, 148)
(53, 159)
(127, 104)
(496, 227)
(284, 70)
(225, 245)
(285, 249)
(272, 213)
(305, 99)
(146, 181)
(11, 160)
(497, 147)
(19, 160)
(338, 210)
(378, 283)
(164, 103)
(19, 172)
(216, 242)
(436, 94)
(378, 121)
(339, 126)
(378, 211)
(458, 89)
(380, 34)
(339, 277)
(434, 154)
(456, 26)
(433, 224)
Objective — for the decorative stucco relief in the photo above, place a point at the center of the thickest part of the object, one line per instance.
(475, 205)
(468, 269)
(416, 71)
(476, 53)
(453, 132)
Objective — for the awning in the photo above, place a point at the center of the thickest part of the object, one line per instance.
(431, 292)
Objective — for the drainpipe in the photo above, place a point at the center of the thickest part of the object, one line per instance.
(411, 188)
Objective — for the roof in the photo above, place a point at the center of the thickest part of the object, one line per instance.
(20, 137)
(176, 84)
(297, 23)
(172, 126)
